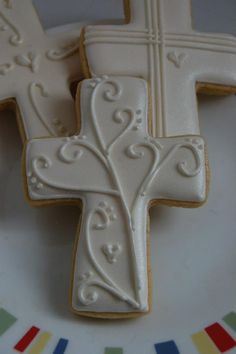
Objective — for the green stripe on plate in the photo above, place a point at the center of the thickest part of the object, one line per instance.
(6, 321)
(113, 351)
(230, 320)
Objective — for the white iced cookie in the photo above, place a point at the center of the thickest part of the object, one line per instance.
(36, 69)
(117, 170)
(159, 45)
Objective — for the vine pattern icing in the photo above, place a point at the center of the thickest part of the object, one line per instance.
(126, 120)
(30, 60)
(26, 46)
(59, 127)
(63, 52)
(16, 38)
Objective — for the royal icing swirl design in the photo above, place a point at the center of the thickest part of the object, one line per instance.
(116, 168)
(33, 62)
(64, 52)
(32, 94)
(16, 38)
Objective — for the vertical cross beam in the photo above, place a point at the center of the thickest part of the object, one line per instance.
(159, 45)
(115, 169)
(36, 69)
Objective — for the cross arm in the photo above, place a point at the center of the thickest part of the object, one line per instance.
(58, 168)
(13, 15)
(146, 23)
(176, 60)
(180, 171)
(37, 69)
(137, 12)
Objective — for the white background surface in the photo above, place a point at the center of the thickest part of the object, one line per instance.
(193, 251)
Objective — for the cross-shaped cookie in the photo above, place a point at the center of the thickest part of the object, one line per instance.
(116, 171)
(159, 44)
(36, 70)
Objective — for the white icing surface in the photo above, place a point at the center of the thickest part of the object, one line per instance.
(36, 69)
(160, 45)
(116, 168)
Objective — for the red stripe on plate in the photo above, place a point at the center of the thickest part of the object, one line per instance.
(25, 341)
(220, 337)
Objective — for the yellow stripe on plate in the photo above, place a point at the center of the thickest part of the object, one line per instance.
(203, 343)
(40, 343)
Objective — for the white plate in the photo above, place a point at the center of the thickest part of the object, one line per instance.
(193, 255)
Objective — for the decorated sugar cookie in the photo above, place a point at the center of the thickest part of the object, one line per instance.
(139, 145)
(115, 170)
(36, 70)
(159, 44)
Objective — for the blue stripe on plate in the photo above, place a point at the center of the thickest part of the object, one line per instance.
(61, 346)
(166, 348)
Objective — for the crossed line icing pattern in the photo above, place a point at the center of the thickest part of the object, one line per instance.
(159, 45)
(116, 168)
(36, 69)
